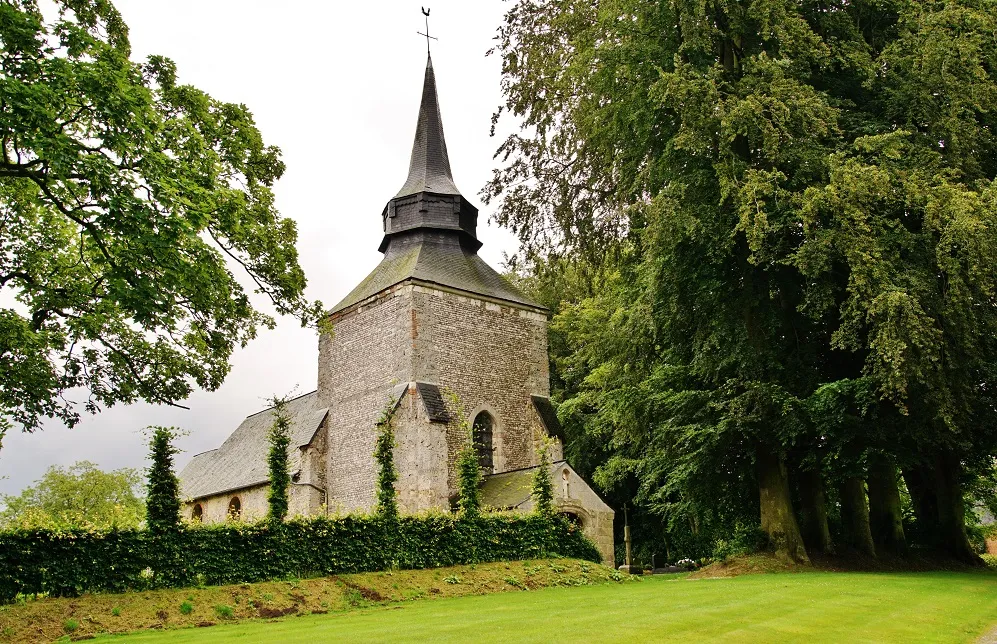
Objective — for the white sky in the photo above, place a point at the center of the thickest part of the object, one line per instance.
(336, 85)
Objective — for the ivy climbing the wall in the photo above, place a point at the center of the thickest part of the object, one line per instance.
(468, 469)
(542, 488)
(279, 438)
(384, 455)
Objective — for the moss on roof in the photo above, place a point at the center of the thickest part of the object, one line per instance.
(444, 264)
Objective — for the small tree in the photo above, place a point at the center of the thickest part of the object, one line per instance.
(468, 469)
(280, 474)
(542, 489)
(81, 495)
(387, 499)
(163, 500)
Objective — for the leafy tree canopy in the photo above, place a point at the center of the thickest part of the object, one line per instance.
(127, 200)
(787, 212)
(81, 495)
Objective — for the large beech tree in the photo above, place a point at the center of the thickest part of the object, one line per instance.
(126, 201)
(793, 210)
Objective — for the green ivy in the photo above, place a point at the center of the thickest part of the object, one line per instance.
(68, 563)
(163, 512)
(384, 455)
(279, 437)
(163, 502)
(468, 469)
(542, 489)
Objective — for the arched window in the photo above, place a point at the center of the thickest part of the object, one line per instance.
(482, 432)
(197, 513)
(234, 509)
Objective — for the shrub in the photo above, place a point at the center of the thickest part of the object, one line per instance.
(468, 469)
(163, 511)
(186, 608)
(279, 438)
(384, 455)
(162, 506)
(743, 540)
(224, 612)
(70, 625)
(74, 562)
(542, 489)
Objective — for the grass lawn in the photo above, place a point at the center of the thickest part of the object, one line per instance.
(781, 607)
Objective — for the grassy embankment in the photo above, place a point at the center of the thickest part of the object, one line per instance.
(47, 619)
(807, 607)
(778, 606)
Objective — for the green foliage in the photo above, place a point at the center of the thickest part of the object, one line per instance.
(384, 456)
(224, 611)
(78, 496)
(542, 488)
(163, 512)
(70, 625)
(163, 489)
(125, 199)
(279, 438)
(468, 468)
(186, 608)
(69, 563)
(743, 540)
(766, 228)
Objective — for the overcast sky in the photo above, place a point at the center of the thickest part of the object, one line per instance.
(335, 85)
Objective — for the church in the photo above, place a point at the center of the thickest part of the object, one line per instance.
(432, 323)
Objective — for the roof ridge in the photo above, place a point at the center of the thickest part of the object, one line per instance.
(521, 469)
(291, 400)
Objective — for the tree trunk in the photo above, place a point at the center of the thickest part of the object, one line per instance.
(813, 513)
(952, 509)
(777, 515)
(920, 483)
(885, 515)
(855, 531)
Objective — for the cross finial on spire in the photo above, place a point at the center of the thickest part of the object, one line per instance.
(425, 12)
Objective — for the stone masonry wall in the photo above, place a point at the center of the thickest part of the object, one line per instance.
(302, 501)
(307, 495)
(215, 508)
(492, 356)
(420, 456)
(572, 495)
(365, 356)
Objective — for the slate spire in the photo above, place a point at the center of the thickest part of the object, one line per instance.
(429, 167)
(429, 203)
(430, 229)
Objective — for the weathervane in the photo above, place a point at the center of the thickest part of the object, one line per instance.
(425, 12)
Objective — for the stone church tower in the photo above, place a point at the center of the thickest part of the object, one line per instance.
(438, 331)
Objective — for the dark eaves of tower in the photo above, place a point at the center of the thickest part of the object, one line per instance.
(430, 229)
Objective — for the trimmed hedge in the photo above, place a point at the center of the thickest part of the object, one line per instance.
(70, 563)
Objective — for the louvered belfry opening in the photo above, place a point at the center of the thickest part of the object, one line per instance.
(482, 432)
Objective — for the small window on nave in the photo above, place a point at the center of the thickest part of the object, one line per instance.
(234, 509)
(197, 513)
(482, 431)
